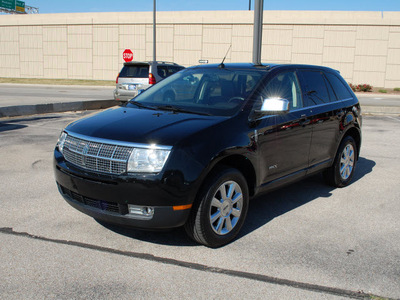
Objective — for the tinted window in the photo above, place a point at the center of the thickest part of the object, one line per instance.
(174, 69)
(332, 95)
(212, 91)
(138, 71)
(339, 88)
(316, 90)
(162, 71)
(285, 86)
(165, 71)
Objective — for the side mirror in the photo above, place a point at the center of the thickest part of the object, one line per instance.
(274, 106)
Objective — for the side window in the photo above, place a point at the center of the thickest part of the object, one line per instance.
(173, 69)
(332, 95)
(162, 71)
(316, 89)
(339, 88)
(285, 86)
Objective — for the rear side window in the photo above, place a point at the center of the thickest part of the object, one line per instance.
(165, 71)
(174, 69)
(339, 88)
(137, 71)
(162, 71)
(316, 89)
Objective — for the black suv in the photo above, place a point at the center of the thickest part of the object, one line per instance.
(228, 133)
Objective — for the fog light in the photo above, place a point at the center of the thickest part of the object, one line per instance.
(141, 212)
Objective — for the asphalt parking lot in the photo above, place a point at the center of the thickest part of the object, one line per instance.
(306, 241)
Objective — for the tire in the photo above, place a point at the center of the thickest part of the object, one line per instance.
(220, 210)
(342, 170)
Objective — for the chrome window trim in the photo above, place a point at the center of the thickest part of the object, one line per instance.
(325, 104)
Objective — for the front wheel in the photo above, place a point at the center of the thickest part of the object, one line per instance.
(342, 170)
(220, 210)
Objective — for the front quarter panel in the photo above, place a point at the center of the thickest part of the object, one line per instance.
(203, 151)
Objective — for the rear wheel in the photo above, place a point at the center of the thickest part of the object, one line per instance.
(342, 170)
(221, 209)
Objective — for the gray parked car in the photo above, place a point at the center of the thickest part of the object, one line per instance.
(136, 76)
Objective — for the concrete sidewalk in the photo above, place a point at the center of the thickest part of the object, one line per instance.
(371, 103)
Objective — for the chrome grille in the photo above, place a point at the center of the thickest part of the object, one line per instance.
(95, 156)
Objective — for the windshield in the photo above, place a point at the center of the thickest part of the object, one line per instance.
(216, 91)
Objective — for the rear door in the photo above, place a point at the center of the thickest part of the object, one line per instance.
(327, 111)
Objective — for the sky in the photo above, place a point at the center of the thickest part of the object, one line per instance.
(73, 6)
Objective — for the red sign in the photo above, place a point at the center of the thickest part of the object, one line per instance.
(127, 55)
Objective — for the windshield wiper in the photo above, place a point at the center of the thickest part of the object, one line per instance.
(138, 104)
(180, 110)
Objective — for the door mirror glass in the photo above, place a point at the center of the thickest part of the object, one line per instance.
(273, 106)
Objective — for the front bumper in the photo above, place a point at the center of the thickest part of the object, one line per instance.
(107, 198)
(164, 216)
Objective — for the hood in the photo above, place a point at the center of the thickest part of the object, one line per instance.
(139, 125)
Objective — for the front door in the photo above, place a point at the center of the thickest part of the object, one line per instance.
(284, 140)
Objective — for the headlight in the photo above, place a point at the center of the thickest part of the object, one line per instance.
(61, 141)
(147, 160)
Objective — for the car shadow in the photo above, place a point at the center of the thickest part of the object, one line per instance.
(267, 207)
(262, 209)
(12, 124)
(8, 127)
(167, 237)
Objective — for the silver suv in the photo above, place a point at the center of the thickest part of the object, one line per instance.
(136, 76)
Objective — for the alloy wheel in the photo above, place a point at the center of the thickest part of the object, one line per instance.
(347, 162)
(226, 207)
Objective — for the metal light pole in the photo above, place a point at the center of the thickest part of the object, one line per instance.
(257, 32)
(249, 4)
(154, 30)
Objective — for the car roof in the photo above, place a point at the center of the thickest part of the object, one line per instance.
(151, 62)
(233, 66)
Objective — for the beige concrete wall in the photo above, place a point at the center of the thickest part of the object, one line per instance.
(364, 46)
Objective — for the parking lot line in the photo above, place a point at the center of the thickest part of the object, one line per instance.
(201, 267)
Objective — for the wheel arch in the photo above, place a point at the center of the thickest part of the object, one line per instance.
(356, 135)
(197, 226)
(242, 164)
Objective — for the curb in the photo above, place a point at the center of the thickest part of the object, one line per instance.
(25, 110)
(377, 95)
(380, 110)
